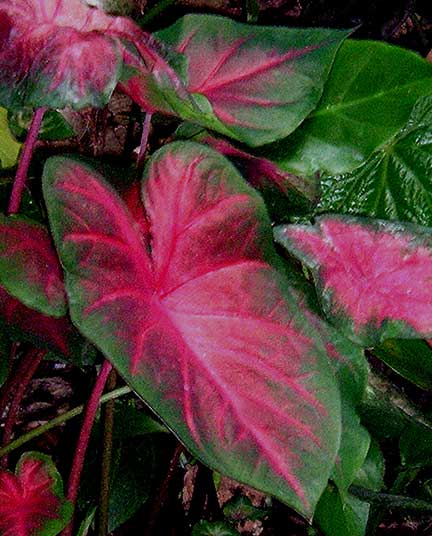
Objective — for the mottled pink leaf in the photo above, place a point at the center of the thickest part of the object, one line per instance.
(202, 327)
(29, 266)
(63, 52)
(259, 82)
(31, 500)
(374, 278)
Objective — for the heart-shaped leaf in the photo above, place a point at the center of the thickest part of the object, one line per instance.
(31, 500)
(255, 84)
(59, 53)
(29, 267)
(374, 278)
(199, 321)
(395, 183)
(367, 98)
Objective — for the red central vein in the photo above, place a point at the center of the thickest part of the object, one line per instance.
(265, 66)
(201, 88)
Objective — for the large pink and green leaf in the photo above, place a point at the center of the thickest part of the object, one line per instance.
(61, 53)
(256, 84)
(31, 500)
(29, 266)
(374, 278)
(199, 320)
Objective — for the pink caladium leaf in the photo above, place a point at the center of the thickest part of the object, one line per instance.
(61, 53)
(374, 278)
(29, 266)
(263, 173)
(256, 84)
(31, 500)
(198, 320)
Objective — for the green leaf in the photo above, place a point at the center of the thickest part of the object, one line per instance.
(217, 528)
(339, 516)
(368, 97)
(54, 125)
(87, 522)
(415, 445)
(132, 479)
(255, 84)
(9, 147)
(395, 183)
(371, 473)
(412, 359)
(353, 450)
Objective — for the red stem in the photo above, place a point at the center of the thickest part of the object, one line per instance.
(25, 159)
(31, 363)
(81, 448)
(144, 141)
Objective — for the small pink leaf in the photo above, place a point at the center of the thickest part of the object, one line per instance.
(31, 500)
(63, 52)
(261, 172)
(202, 327)
(259, 82)
(374, 278)
(21, 322)
(29, 266)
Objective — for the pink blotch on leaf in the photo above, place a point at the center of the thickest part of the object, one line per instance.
(372, 275)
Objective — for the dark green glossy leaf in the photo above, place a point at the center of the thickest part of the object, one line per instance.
(412, 359)
(131, 480)
(368, 97)
(371, 473)
(132, 422)
(355, 442)
(415, 445)
(341, 516)
(255, 84)
(395, 183)
(385, 411)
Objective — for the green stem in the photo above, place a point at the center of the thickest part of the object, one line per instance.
(104, 496)
(36, 432)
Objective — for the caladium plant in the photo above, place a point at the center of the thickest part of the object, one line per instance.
(176, 280)
(59, 53)
(31, 500)
(373, 277)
